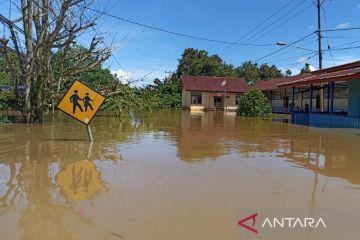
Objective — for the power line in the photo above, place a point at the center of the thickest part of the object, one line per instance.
(287, 46)
(325, 50)
(340, 29)
(284, 22)
(288, 58)
(343, 37)
(279, 25)
(347, 48)
(108, 48)
(259, 25)
(292, 50)
(277, 20)
(301, 62)
(345, 44)
(326, 33)
(177, 33)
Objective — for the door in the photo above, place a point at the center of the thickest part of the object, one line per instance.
(218, 102)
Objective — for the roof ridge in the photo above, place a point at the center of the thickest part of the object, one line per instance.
(187, 76)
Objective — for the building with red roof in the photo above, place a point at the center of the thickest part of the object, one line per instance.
(279, 97)
(279, 93)
(341, 85)
(212, 93)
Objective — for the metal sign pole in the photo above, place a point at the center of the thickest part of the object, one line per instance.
(91, 139)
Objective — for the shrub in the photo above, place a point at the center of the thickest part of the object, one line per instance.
(254, 104)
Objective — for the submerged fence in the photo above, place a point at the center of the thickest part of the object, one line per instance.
(324, 120)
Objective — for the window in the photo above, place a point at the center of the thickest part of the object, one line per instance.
(196, 98)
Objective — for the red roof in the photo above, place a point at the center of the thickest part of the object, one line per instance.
(338, 68)
(267, 85)
(340, 73)
(213, 84)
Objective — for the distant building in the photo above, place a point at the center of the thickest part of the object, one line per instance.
(341, 85)
(281, 97)
(212, 93)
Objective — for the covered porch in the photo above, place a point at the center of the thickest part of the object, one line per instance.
(320, 110)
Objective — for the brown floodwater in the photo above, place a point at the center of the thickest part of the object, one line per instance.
(166, 175)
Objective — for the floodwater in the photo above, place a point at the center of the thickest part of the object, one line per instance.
(166, 175)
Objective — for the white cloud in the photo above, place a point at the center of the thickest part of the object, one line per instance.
(302, 60)
(121, 75)
(312, 68)
(311, 27)
(343, 25)
(142, 72)
(294, 70)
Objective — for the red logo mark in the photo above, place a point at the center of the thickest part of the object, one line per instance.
(242, 223)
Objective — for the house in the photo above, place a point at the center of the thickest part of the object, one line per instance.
(281, 97)
(212, 93)
(341, 85)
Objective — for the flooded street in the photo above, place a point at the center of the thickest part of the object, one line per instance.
(166, 175)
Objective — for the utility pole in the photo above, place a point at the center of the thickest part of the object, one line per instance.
(319, 32)
(320, 54)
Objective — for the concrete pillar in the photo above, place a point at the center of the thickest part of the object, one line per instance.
(311, 98)
(354, 98)
(292, 99)
(328, 97)
(332, 87)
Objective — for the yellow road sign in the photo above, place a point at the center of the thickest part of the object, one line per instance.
(81, 102)
(79, 180)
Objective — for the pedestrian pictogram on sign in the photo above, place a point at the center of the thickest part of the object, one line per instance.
(80, 180)
(81, 102)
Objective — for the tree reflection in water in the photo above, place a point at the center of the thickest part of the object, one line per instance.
(32, 156)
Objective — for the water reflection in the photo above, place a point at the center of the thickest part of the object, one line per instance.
(79, 180)
(211, 135)
(30, 194)
(34, 166)
(47, 172)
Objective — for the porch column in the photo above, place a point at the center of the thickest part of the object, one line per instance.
(292, 99)
(332, 87)
(311, 98)
(329, 95)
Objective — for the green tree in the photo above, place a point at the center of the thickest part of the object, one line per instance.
(249, 71)
(50, 28)
(305, 69)
(288, 72)
(253, 73)
(254, 104)
(269, 72)
(6, 78)
(199, 63)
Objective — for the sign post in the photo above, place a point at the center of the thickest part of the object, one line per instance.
(91, 139)
(82, 103)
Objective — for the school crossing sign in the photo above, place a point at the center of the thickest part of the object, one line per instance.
(81, 102)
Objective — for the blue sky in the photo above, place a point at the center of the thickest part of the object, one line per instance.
(140, 50)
